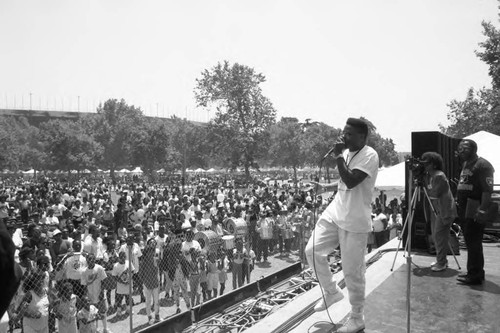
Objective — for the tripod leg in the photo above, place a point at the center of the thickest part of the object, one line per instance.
(454, 256)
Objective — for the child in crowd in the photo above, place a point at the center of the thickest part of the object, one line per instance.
(65, 309)
(123, 282)
(87, 317)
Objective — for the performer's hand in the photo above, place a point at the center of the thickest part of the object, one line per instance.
(339, 146)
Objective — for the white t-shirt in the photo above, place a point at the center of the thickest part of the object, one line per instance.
(188, 245)
(93, 277)
(351, 208)
(136, 254)
(120, 270)
(75, 266)
(378, 225)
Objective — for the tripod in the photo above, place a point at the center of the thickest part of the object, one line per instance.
(415, 198)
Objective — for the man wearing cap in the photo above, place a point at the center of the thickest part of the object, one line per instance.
(59, 247)
(347, 222)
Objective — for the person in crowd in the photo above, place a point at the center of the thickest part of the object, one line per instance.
(88, 317)
(93, 242)
(34, 307)
(194, 276)
(92, 278)
(74, 267)
(444, 209)
(51, 219)
(66, 309)
(110, 258)
(132, 247)
(123, 283)
(212, 276)
(265, 230)
(222, 266)
(237, 264)
(347, 222)
(395, 224)
(148, 273)
(178, 272)
(248, 263)
(380, 223)
(474, 199)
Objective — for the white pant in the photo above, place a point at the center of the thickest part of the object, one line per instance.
(327, 236)
(155, 294)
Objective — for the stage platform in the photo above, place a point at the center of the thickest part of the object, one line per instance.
(438, 302)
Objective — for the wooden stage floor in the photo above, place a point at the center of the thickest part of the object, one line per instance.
(438, 302)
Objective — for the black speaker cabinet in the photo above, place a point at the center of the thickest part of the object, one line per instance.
(446, 146)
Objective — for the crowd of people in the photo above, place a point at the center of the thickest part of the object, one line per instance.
(85, 249)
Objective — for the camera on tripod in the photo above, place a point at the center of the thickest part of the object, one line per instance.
(417, 167)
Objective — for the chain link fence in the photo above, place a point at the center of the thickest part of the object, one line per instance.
(127, 279)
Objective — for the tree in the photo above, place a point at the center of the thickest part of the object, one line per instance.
(151, 149)
(114, 128)
(68, 145)
(480, 110)
(490, 52)
(384, 147)
(242, 114)
(287, 144)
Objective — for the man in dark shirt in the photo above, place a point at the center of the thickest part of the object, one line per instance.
(473, 199)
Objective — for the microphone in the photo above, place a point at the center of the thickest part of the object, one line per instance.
(329, 152)
(340, 144)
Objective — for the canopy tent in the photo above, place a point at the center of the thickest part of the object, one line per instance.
(199, 170)
(160, 171)
(136, 171)
(86, 171)
(123, 171)
(487, 147)
(391, 177)
(211, 170)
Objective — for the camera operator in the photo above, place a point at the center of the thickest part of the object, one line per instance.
(444, 205)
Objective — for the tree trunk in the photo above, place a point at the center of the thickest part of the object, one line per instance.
(328, 174)
(295, 176)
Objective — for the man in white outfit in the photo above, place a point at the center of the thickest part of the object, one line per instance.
(347, 222)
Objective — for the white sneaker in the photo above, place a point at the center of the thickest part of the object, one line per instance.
(439, 268)
(433, 264)
(331, 298)
(151, 320)
(352, 325)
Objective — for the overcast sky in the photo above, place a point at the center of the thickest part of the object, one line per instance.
(397, 63)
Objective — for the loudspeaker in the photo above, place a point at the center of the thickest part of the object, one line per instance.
(446, 146)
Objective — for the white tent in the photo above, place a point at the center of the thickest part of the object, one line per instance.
(211, 170)
(487, 147)
(123, 171)
(161, 170)
(199, 170)
(391, 177)
(136, 171)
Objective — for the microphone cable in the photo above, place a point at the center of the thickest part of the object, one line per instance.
(323, 297)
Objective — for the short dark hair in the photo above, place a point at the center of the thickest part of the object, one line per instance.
(472, 143)
(358, 124)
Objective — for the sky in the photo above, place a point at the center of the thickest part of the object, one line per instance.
(397, 63)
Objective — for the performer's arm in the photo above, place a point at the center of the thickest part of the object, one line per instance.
(351, 178)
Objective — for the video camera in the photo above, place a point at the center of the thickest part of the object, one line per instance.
(417, 168)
